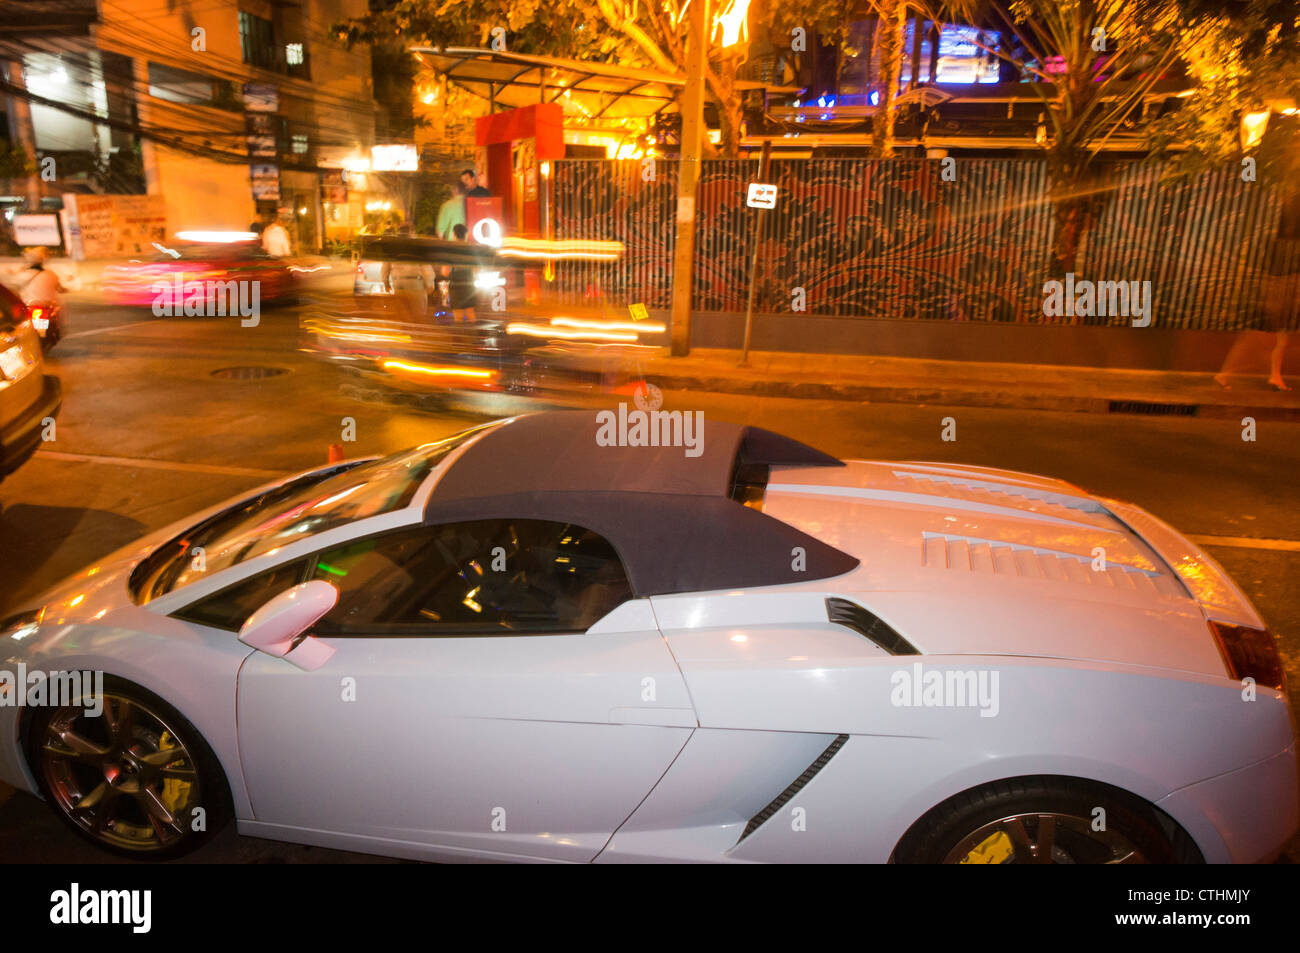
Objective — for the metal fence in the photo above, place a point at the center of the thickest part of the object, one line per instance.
(893, 239)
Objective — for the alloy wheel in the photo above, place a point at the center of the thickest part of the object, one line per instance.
(1044, 838)
(125, 778)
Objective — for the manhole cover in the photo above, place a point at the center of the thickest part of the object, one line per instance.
(248, 373)
(1152, 407)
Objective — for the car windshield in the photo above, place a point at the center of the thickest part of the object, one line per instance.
(286, 514)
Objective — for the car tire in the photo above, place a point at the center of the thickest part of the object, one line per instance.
(149, 804)
(1045, 820)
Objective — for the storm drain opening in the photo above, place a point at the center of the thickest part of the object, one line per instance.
(248, 373)
(1153, 407)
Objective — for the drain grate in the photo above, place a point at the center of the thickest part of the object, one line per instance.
(249, 373)
(1153, 407)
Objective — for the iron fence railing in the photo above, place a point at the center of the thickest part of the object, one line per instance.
(896, 239)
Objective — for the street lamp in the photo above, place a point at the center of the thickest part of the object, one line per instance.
(731, 24)
(1252, 129)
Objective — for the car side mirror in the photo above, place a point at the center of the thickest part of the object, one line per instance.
(278, 627)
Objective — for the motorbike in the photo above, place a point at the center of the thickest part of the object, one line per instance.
(47, 321)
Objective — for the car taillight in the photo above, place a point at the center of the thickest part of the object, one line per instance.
(36, 313)
(1250, 653)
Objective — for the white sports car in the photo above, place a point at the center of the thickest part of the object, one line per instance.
(521, 643)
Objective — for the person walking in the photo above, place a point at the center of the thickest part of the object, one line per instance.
(275, 240)
(461, 287)
(410, 283)
(1279, 306)
(451, 213)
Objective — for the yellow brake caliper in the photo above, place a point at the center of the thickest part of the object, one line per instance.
(175, 792)
(994, 849)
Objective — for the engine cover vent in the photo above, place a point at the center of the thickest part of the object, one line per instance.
(869, 626)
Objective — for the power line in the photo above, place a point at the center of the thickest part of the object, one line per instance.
(85, 73)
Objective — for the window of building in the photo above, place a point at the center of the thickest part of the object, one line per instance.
(293, 54)
(180, 86)
(257, 40)
(300, 144)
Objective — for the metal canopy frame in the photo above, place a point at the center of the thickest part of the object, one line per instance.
(498, 71)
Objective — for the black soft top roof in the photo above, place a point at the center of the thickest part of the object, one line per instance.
(670, 516)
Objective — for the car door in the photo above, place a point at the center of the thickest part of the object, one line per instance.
(494, 688)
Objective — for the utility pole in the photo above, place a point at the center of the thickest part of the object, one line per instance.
(144, 113)
(764, 164)
(22, 132)
(688, 176)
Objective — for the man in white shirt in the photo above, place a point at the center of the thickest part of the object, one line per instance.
(275, 240)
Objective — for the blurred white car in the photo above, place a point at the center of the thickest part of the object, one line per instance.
(370, 279)
(28, 396)
(546, 640)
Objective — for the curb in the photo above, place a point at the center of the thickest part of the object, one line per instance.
(912, 394)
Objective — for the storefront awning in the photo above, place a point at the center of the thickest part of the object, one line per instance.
(592, 90)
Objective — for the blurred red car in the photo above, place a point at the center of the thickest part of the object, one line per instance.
(140, 283)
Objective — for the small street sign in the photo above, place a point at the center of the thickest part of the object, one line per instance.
(761, 195)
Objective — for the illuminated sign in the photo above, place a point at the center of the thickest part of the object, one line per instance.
(36, 229)
(394, 158)
(486, 231)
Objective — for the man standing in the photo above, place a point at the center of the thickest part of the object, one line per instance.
(451, 213)
(469, 178)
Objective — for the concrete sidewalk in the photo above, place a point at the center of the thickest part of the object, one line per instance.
(970, 384)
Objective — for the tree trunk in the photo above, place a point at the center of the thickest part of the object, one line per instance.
(1073, 206)
(890, 46)
(730, 113)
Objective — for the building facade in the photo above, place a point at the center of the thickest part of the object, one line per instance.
(231, 112)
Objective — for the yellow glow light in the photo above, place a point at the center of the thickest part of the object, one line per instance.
(1252, 129)
(562, 250)
(731, 23)
(216, 237)
(550, 331)
(430, 370)
(650, 327)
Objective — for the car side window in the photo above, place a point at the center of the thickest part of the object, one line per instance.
(230, 607)
(485, 577)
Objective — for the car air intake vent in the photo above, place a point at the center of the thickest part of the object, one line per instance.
(797, 785)
(853, 616)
